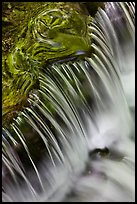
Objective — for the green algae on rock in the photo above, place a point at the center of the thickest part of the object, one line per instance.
(39, 33)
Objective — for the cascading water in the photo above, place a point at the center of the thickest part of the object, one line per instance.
(75, 140)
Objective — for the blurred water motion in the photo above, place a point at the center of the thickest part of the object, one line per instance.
(89, 153)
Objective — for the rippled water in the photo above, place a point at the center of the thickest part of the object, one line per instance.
(75, 142)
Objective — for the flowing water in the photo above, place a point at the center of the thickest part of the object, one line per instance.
(77, 135)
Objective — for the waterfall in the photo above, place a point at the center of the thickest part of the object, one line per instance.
(75, 140)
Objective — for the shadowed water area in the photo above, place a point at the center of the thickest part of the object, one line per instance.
(68, 102)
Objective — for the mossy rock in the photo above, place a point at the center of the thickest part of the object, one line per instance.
(35, 34)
